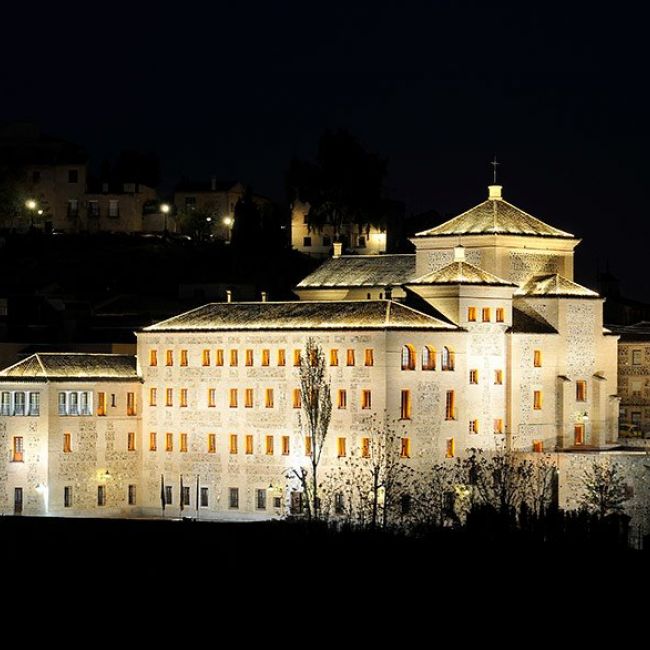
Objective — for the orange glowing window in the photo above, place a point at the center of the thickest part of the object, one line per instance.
(233, 398)
(153, 357)
(341, 447)
(152, 441)
(233, 443)
(248, 398)
(183, 357)
(405, 448)
(212, 443)
(285, 445)
(249, 444)
(296, 398)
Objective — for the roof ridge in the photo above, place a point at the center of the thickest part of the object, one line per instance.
(41, 364)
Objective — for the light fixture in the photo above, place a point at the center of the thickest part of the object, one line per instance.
(39, 212)
(106, 475)
(164, 208)
(585, 416)
(228, 221)
(208, 219)
(270, 486)
(40, 488)
(30, 204)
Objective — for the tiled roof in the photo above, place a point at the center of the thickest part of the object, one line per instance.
(494, 216)
(461, 273)
(361, 271)
(303, 315)
(555, 285)
(72, 366)
(528, 322)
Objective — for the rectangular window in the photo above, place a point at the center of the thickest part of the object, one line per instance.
(450, 448)
(366, 399)
(131, 495)
(183, 398)
(153, 357)
(186, 496)
(113, 208)
(450, 405)
(67, 443)
(152, 441)
(183, 443)
(169, 495)
(234, 358)
(342, 401)
(212, 443)
(101, 403)
(261, 499)
(581, 390)
(471, 314)
(282, 358)
(17, 455)
(405, 448)
(296, 398)
(204, 497)
(306, 241)
(538, 446)
(153, 396)
(334, 357)
(579, 435)
(85, 406)
(169, 358)
(233, 497)
(169, 397)
(73, 404)
(285, 445)
(249, 444)
(349, 358)
(486, 314)
(183, 358)
(368, 357)
(498, 377)
(341, 450)
(297, 355)
(308, 446)
(218, 357)
(406, 405)
(35, 404)
(365, 447)
(269, 446)
(6, 403)
(473, 426)
(268, 399)
(73, 208)
(130, 441)
(266, 357)
(537, 358)
(636, 357)
(500, 315)
(101, 495)
(130, 404)
(233, 398)
(537, 399)
(498, 425)
(233, 443)
(205, 358)
(169, 442)
(67, 496)
(249, 357)
(473, 376)
(248, 398)
(212, 397)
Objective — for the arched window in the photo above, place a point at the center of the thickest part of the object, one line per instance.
(447, 359)
(428, 357)
(408, 357)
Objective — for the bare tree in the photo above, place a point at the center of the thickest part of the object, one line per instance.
(604, 489)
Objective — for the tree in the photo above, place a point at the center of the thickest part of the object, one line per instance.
(196, 224)
(316, 411)
(604, 489)
(247, 224)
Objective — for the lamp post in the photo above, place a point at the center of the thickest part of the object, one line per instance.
(165, 208)
(32, 206)
(228, 222)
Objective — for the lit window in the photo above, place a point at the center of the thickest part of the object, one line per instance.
(169, 442)
(153, 395)
(131, 495)
(498, 377)
(538, 446)
(581, 390)
(365, 447)
(218, 357)
(486, 315)
(249, 357)
(368, 357)
(282, 358)
(500, 315)
(341, 447)
(67, 443)
(17, 455)
(268, 399)
(342, 401)
(212, 397)
(408, 357)
(473, 426)
(471, 314)
(152, 442)
(473, 376)
(130, 404)
(447, 359)
(350, 357)
(248, 398)
(334, 357)
(67, 496)
(233, 497)
(234, 358)
(366, 399)
(307, 445)
(537, 399)
(266, 357)
(212, 443)
(405, 448)
(296, 357)
(169, 397)
(101, 495)
(285, 445)
(101, 403)
(233, 398)
(205, 357)
(498, 425)
(313, 357)
(450, 406)
(249, 444)
(406, 405)
(169, 358)
(269, 446)
(428, 358)
(296, 398)
(450, 448)
(153, 357)
(183, 442)
(261, 499)
(233, 443)
(130, 441)
(537, 358)
(579, 435)
(183, 397)
(183, 357)
(636, 357)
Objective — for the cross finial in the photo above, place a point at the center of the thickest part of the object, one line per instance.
(495, 163)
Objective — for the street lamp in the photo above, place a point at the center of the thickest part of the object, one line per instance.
(30, 204)
(228, 222)
(165, 208)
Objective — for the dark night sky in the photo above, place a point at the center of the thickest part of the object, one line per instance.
(236, 89)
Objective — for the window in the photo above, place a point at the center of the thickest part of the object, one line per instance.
(218, 357)
(282, 358)
(84, 403)
(35, 403)
(636, 357)
(306, 242)
(296, 400)
(538, 446)
(212, 443)
(17, 455)
(67, 443)
(73, 208)
(233, 398)
(204, 497)
(169, 358)
(101, 403)
(101, 495)
(233, 443)
(153, 357)
(183, 442)
(405, 448)
(450, 448)
(169, 497)
(498, 425)
(131, 495)
(169, 397)
(233, 497)
(308, 446)
(248, 398)
(261, 499)
(342, 398)
(365, 447)
(361, 242)
(19, 403)
(406, 405)
(500, 315)
(408, 357)
(190, 203)
(249, 444)
(152, 441)
(350, 357)
(73, 175)
(113, 208)
(537, 399)
(368, 357)
(339, 503)
(473, 376)
(268, 400)
(205, 357)
(169, 442)
(498, 377)
(428, 358)
(366, 399)
(581, 390)
(285, 445)
(341, 450)
(5, 409)
(249, 357)
(471, 314)
(185, 496)
(473, 426)
(234, 358)
(153, 395)
(334, 357)
(447, 359)
(212, 397)
(537, 358)
(405, 504)
(130, 404)
(450, 406)
(268, 449)
(266, 357)
(486, 314)
(73, 403)
(579, 435)
(296, 358)
(67, 496)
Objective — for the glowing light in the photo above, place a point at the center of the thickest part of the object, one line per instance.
(39, 212)
(30, 204)
(228, 221)
(40, 488)
(165, 208)
(208, 219)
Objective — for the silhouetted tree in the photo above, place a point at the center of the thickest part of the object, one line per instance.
(604, 489)
(246, 231)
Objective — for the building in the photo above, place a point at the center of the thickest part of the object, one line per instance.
(481, 339)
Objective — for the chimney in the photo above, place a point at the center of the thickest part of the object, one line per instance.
(388, 292)
(213, 183)
(228, 295)
(459, 253)
(263, 296)
(495, 192)
(338, 249)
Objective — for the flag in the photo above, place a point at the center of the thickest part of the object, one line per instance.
(162, 492)
(182, 495)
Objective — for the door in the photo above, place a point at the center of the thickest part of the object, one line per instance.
(579, 435)
(18, 501)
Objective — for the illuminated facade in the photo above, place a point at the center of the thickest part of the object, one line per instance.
(481, 339)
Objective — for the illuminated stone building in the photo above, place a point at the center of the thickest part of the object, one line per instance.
(481, 339)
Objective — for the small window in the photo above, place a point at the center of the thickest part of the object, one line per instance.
(101, 403)
(636, 357)
(285, 445)
(152, 442)
(153, 396)
(233, 398)
(169, 358)
(327, 240)
(408, 357)
(365, 447)
(183, 358)
(342, 398)
(113, 208)
(17, 455)
(169, 442)
(368, 357)
(131, 495)
(218, 357)
(366, 399)
(538, 446)
(130, 404)
(339, 503)
(447, 359)
(183, 443)
(473, 376)
(101, 495)
(428, 358)
(308, 446)
(233, 497)
(498, 377)
(67, 496)
(282, 357)
(204, 497)
(249, 357)
(450, 448)
(350, 357)
(498, 425)
(261, 499)
(249, 444)
(450, 406)
(73, 208)
(500, 315)
(296, 358)
(169, 397)
(581, 390)
(169, 496)
(537, 358)
(297, 402)
(341, 447)
(212, 443)
(268, 447)
(306, 242)
(234, 358)
(266, 357)
(334, 357)
(406, 405)
(248, 398)
(233, 443)
(537, 399)
(67, 443)
(361, 242)
(153, 357)
(130, 441)
(205, 357)
(486, 314)
(268, 398)
(212, 397)
(473, 426)
(405, 448)
(471, 314)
